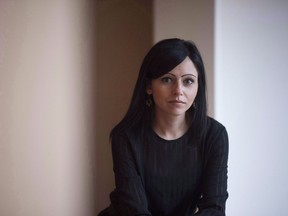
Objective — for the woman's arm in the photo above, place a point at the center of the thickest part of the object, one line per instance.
(129, 198)
(214, 187)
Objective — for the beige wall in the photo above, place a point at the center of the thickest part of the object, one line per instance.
(44, 109)
(190, 20)
(124, 35)
(63, 88)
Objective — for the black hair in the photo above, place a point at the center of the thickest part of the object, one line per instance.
(162, 58)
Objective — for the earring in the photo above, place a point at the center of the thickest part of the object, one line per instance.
(149, 101)
(194, 105)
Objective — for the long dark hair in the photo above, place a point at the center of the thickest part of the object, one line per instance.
(162, 58)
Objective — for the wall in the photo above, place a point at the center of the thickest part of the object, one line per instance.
(45, 73)
(189, 20)
(251, 100)
(124, 35)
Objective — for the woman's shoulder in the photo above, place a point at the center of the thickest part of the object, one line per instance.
(215, 140)
(130, 134)
(214, 129)
(213, 125)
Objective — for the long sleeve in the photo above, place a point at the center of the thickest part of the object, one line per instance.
(214, 187)
(157, 177)
(129, 198)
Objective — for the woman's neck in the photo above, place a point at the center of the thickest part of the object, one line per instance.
(170, 127)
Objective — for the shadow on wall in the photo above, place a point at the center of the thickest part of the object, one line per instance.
(124, 33)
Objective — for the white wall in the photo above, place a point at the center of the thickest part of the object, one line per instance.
(251, 100)
(44, 100)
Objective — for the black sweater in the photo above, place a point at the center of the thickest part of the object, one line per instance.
(170, 177)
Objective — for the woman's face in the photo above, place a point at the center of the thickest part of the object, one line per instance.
(175, 91)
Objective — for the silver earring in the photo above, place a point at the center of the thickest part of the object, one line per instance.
(149, 101)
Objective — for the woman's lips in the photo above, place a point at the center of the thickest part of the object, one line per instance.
(177, 102)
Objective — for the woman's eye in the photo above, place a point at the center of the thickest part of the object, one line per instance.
(188, 81)
(166, 80)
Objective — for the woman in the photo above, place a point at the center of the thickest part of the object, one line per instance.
(169, 157)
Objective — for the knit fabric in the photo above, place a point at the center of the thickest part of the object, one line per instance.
(162, 177)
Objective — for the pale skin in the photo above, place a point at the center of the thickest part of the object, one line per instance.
(174, 94)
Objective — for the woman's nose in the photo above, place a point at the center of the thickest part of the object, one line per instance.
(178, 88)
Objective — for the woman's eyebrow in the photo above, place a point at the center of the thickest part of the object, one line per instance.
(189, 75)
(183, 75)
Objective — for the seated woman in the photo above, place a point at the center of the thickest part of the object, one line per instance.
(169, 157)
